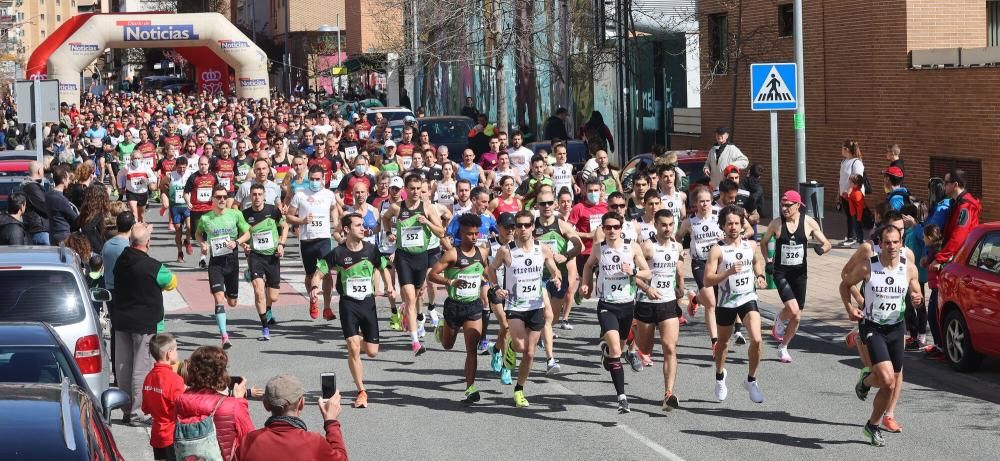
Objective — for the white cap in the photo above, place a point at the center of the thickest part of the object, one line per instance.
(390, 143)
(396, 181)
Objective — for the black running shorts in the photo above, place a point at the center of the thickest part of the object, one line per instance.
(224, 275)
(726, 316)
(359, 318)
(457, 313)
(654, 313)
(884, 342)
(615, 316)
(267, 267)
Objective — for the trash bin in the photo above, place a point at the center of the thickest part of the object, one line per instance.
(812, 195)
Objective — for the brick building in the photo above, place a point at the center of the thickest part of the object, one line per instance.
(912, 72)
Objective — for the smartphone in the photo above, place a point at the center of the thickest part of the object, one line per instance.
(329, 384)
(233, 381)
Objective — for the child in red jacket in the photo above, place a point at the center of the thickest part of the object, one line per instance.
(856, 200)
(159, 394)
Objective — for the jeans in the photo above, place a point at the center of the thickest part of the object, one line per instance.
(40, 238)
(846, 209)
(859, 232)
(132, 364)
(916, 317)
(932, 317)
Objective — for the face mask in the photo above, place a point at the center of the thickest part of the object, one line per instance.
(359, 169)
(315, 186)
(135, 164)
(593, 197)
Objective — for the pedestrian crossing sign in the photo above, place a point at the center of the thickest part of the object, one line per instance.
(773, 87)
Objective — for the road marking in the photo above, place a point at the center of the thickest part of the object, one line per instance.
(173, 301)
(659, 449)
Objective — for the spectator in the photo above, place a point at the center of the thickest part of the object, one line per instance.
(964, 217)
(856, 211)
(470, 109)
(12, 230)
(752, 185)
(82, 179)
(850, 166)
(596, 134)
(36, 216)
(892, 155)
(915, 316)
(932, 244)
(284, 432)
(160, 390)
(896, 194)
(721, 156)
(208, 382)
(62, 213)
(94, 214)
(79, 245)
(940, 203)
(555, 126)
(138, 308)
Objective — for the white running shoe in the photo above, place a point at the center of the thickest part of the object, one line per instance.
(783, 356)
(421, 332)
(778, 330)
(435, 319)
(754, 389)
(721, 391)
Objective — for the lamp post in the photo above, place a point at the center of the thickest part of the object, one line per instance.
(329, 28)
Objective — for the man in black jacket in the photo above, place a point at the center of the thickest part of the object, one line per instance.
(36, 217)
(470, 109)
(555, 126)
(11, 225)
(138, 308)
(62, 213)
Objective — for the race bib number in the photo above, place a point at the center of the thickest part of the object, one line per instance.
(139, 183)
(335, 180)
(595, 222)
(616, 288)
(204, 194)
(471, 286)
(741, 283)
(363, 134)
(179, 196)
(664, 284)
(319, 224)
(225, 182)
(529, 290)
(405, 161)
(791, 255)
(413, 237)
(351, 152)
(148, 161)
(263, 241)
(552, 244)
(883, 312)
(220, 246)
(701, 249)
(359, 287)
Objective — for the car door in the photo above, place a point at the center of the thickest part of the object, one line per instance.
(981, 286)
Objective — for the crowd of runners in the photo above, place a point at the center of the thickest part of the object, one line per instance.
(516, 238)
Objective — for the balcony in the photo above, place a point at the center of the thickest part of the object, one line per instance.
(6, 3)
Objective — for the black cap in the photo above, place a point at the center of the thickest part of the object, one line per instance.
(722, 130)
(506, 220)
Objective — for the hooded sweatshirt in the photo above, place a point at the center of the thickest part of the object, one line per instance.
(12, 231)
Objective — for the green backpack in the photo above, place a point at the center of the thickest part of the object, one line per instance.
(197, 441)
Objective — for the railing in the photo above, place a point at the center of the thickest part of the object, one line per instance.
(955, 57)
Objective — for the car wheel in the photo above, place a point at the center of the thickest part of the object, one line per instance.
(958, 343)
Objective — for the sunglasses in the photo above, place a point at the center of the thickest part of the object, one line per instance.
(549, 203)
(524, 225)
(617, 206)
(220, 197)
(788, 205)
(613, 227)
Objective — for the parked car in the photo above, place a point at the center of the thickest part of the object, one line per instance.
(576, 152)
(969, 296)
(389, 113)
(46, 284)
(689, 161)
(448, 130)
(57, 422)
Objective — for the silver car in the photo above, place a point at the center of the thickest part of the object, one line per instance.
(46, 284)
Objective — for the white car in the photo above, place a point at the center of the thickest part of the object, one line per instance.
(389, 113)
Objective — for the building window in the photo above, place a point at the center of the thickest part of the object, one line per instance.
(58, 18)
(718, 52)
(786, 20)
(993, 23)
(41, 17)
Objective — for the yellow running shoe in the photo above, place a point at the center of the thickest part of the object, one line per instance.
(519, 400)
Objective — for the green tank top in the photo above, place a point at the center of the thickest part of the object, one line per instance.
(356, 271)
(551, 236)
(411, 236)
(125, 151)
(220, 229)
(469, 269)
(391, 167)
(264, 235)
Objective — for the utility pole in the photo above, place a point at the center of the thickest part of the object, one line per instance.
(415, 97)
(288, 47)
(800, 93)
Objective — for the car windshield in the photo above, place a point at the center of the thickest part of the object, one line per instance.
(40, 296)
(447, 130)
(34, 364)
(388, 115)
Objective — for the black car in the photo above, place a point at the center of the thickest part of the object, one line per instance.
(32, 353)
(448, 130)
(55, 422)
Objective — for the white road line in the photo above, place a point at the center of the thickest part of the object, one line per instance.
(659, 449)
(173, 300)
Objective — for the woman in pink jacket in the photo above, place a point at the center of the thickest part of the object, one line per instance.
(207, 382)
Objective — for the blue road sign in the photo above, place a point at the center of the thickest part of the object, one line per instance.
(773, 86)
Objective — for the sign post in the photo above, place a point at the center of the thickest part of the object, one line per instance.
(37, 102)
(773, 88)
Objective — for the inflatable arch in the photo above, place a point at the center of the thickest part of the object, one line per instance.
(208, 40)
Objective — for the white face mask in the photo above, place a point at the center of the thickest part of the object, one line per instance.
(135, 163)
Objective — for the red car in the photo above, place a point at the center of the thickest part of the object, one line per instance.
(969, 296)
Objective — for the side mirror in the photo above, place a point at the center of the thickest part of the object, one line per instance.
(113, 399)
(100, 295)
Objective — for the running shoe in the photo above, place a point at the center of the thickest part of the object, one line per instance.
(509, 355)
(180, 256)
(692, 303)
(567, 325)
(265, 334)
(404, 317)
(519, 400)
(484, 346)
(604, 356)
(634, 360)
(328, 314)
(395, 322)
(739, 339)
(778, 330)
(495, 359)
(437, 334)
(202, 264)
(552, 367)
(505, 376)
(418, 349)
(225, 342)
(754, 389)
(421, 332)
(187, 247)
(435, 318)
(647, 361)
(912, 345)
(314, 308)
(471, 395)
(578, 298)
(874, 434)
(623, 405)
(860, 389)
(670, 401)
(682, 320)
(783, 356)
(721, 391)
(890, 424)
(361, 401)
(851, 338)
(933, 351)
(163, 212)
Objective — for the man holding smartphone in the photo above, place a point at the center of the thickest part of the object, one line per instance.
(463, 309)
(355, 263)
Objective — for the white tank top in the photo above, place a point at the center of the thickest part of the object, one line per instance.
(613, 285)
(384, 245)
(445, 193)
(562, 176)
(663, 263)
(738, 289)
(494, 249)
(646, 231)
(705, 234)
(885, 292)
(524, 278)
(673, 203)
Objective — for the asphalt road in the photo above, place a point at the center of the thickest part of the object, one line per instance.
(415, 413)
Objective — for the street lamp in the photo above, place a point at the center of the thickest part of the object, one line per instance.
(329, 28)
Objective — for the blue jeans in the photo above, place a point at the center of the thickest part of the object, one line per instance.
(40, 238)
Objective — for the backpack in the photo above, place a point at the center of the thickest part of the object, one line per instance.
(866, 186)
(197, 441)
(907, 198)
